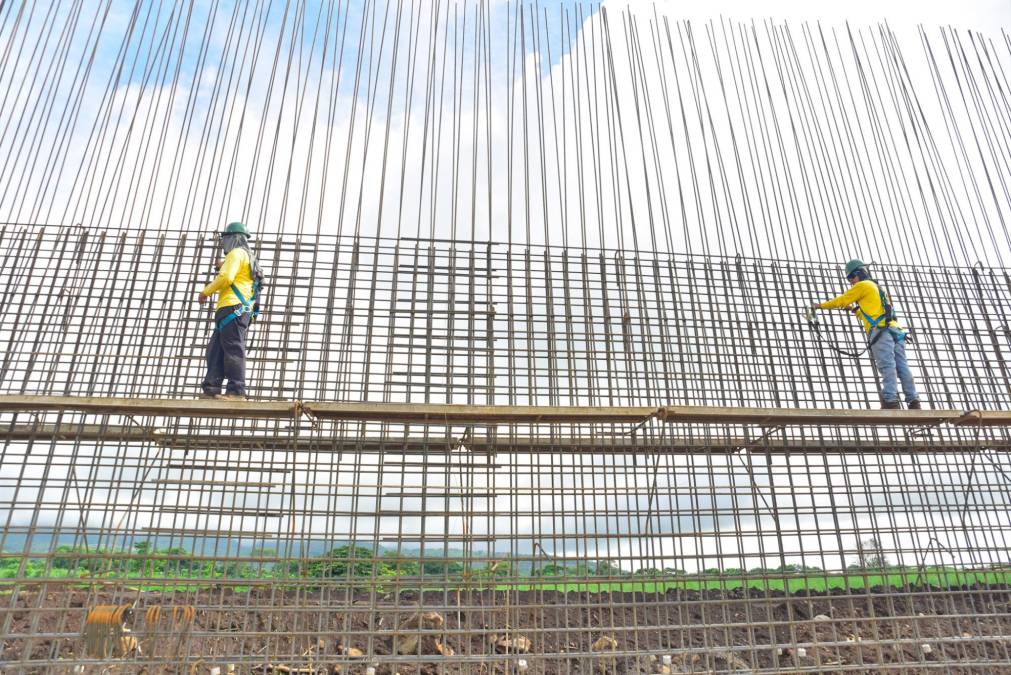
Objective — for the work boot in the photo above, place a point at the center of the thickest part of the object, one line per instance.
(230, 397)
(914, 405)
(890, 405)
(207, 394)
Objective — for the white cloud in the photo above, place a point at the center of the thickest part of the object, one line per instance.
(981, 15)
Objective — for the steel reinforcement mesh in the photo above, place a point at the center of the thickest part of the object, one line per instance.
(611, 207)
(555, 550)
(113, 312)
(305, 544)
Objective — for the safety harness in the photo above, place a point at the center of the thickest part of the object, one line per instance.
(887, 316)
(245, 306)
(873, 323)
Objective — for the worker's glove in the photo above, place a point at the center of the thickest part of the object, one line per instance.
(809, 315)
(813, 307)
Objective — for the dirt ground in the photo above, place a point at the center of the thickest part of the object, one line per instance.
(740, 631)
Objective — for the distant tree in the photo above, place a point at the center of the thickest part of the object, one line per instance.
(401, 568)
(492, 570)
(441, 568)
(64, 558)
(499, 568)
(606, 568)
(180, 563)
(871, 555)
(262, 568)
(141, 548)
(9, 567)
(83, 560)
(651, 572)
(356, 561)
(551, 570)
(231, 569)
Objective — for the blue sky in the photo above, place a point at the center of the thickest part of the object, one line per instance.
(296, 116)
(311, 20)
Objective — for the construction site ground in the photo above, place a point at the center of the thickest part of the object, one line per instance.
(737, 630)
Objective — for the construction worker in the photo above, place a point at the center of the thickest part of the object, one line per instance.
(885, 337)
(237, 285)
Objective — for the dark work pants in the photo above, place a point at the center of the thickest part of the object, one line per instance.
(226, 354)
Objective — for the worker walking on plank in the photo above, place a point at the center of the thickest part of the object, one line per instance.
(237, 285)
(885, 337)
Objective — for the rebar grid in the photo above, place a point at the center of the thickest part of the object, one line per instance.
(669, 551)
(719, 546)
(457, 322)
(539, 175)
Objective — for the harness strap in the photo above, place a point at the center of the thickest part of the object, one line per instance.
(897, 333)
(886, 311)
(872, 321)
(244, 306)
(238, 294)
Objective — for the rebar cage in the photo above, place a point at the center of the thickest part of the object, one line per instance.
(309, 542)
(533, 389)
(99, 311)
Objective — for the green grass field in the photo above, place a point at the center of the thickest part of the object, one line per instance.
(791, 583)
(168, 576)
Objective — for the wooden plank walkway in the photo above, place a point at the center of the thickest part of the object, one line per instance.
(453, 414)
(163, 407)
(476, 414)
(780, 417)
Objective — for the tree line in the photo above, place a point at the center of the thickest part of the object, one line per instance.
(144, 560)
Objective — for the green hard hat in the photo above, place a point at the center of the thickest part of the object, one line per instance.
(853, 265)
(236, 228)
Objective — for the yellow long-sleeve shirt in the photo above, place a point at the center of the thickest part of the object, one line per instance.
(235, 269)
(867, 296)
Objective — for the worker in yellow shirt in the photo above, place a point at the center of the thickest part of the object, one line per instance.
(885, 337)
(237, 285)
